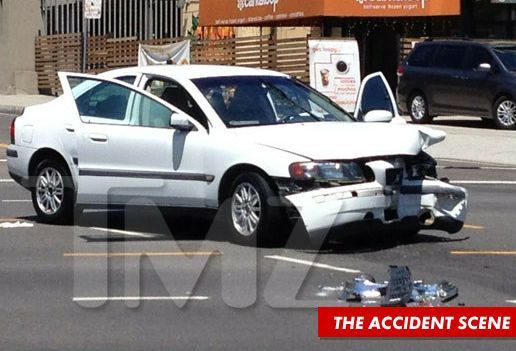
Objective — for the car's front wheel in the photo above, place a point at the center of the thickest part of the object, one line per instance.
(505, 113)
(250, 213)
(52, 192)
(418, 109)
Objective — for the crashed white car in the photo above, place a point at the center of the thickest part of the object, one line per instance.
(258, 145)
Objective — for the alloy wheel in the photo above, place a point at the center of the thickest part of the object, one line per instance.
(246, 209)
(49, 190)
(506, 113)
(418, 107)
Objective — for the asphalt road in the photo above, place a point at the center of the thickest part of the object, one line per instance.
(71, 287)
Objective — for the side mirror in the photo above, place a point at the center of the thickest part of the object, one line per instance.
(180, 122)
(378, 116)
(484, 67)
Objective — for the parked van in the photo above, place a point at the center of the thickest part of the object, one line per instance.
(459, 77)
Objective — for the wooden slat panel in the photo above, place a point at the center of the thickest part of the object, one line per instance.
(63, 52)
(56, 53)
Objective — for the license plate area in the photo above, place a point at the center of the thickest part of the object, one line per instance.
(393, 181)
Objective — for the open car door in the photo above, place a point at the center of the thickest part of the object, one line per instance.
(376, 101)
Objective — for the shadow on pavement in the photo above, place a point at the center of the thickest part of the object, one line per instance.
(465, 123)
(373, 242)
(179, 225)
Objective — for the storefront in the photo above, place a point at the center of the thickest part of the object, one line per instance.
(378, 25)
(493, 19)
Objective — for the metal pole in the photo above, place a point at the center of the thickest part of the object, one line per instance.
(85, 34)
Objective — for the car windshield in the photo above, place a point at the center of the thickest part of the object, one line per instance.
(507, 54)
(264, 100)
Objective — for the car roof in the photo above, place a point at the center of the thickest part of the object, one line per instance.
(193, 71)
(448, 41)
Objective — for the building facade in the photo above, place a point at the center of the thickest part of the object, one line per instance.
(378, 29)
(22, 20)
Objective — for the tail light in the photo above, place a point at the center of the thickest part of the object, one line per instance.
(12, 131)
(401, 70)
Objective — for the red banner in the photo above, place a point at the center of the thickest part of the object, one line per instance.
(417, 322)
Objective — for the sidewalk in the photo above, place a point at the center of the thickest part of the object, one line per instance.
(14, 104)
(467, 139)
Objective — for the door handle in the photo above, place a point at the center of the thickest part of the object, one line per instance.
(99, 138)
(69, 128)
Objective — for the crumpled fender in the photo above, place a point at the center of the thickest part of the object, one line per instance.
(430, 137)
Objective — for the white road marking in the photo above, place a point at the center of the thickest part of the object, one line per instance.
(484, 182)
(511, 301)
(141, 298)
(8, 201)
(469, 162)
(494, 168)
(3, 160)
(124, 232)
(312, 264)
(6, 181)
(17, 224)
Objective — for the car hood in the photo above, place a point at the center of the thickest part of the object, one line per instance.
(340, 140)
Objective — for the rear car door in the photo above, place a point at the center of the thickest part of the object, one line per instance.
(449, 78)
(125, 143)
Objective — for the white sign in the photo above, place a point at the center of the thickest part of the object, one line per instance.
(174, 54)
(243, 4)
(92, 9)
(335, 70)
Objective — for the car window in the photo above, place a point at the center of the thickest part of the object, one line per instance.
(110, 103)
(174, 93)
(422, 56)
(264, 100)
(478, 55)
(507, 54)
(127, 79)
(146, 112)
(99, 101)
(450, 56)
(375, 96)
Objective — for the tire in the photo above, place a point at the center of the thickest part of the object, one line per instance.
(249, 212)
(504, 113)
(418, 109)
(53, 183)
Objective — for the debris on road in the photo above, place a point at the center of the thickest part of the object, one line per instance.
(400, 290)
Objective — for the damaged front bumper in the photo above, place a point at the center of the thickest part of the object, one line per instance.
(402, 204)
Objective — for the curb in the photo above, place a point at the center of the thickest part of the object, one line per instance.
(11, 110)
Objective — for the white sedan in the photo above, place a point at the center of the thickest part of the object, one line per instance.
(258, 145)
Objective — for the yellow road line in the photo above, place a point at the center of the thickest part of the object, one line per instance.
(132, 254)
(4, 146)
(471, 226)
(485, 252)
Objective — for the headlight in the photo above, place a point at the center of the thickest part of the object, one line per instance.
(339, 172)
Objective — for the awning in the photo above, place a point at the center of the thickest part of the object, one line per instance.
(261, 12)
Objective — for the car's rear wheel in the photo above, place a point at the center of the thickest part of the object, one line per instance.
(418, 109)
(52, 192)
(249, 215)
(505, 113)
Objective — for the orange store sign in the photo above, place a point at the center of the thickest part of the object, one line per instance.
(243, 12)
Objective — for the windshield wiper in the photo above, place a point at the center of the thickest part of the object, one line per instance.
(292, 103)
